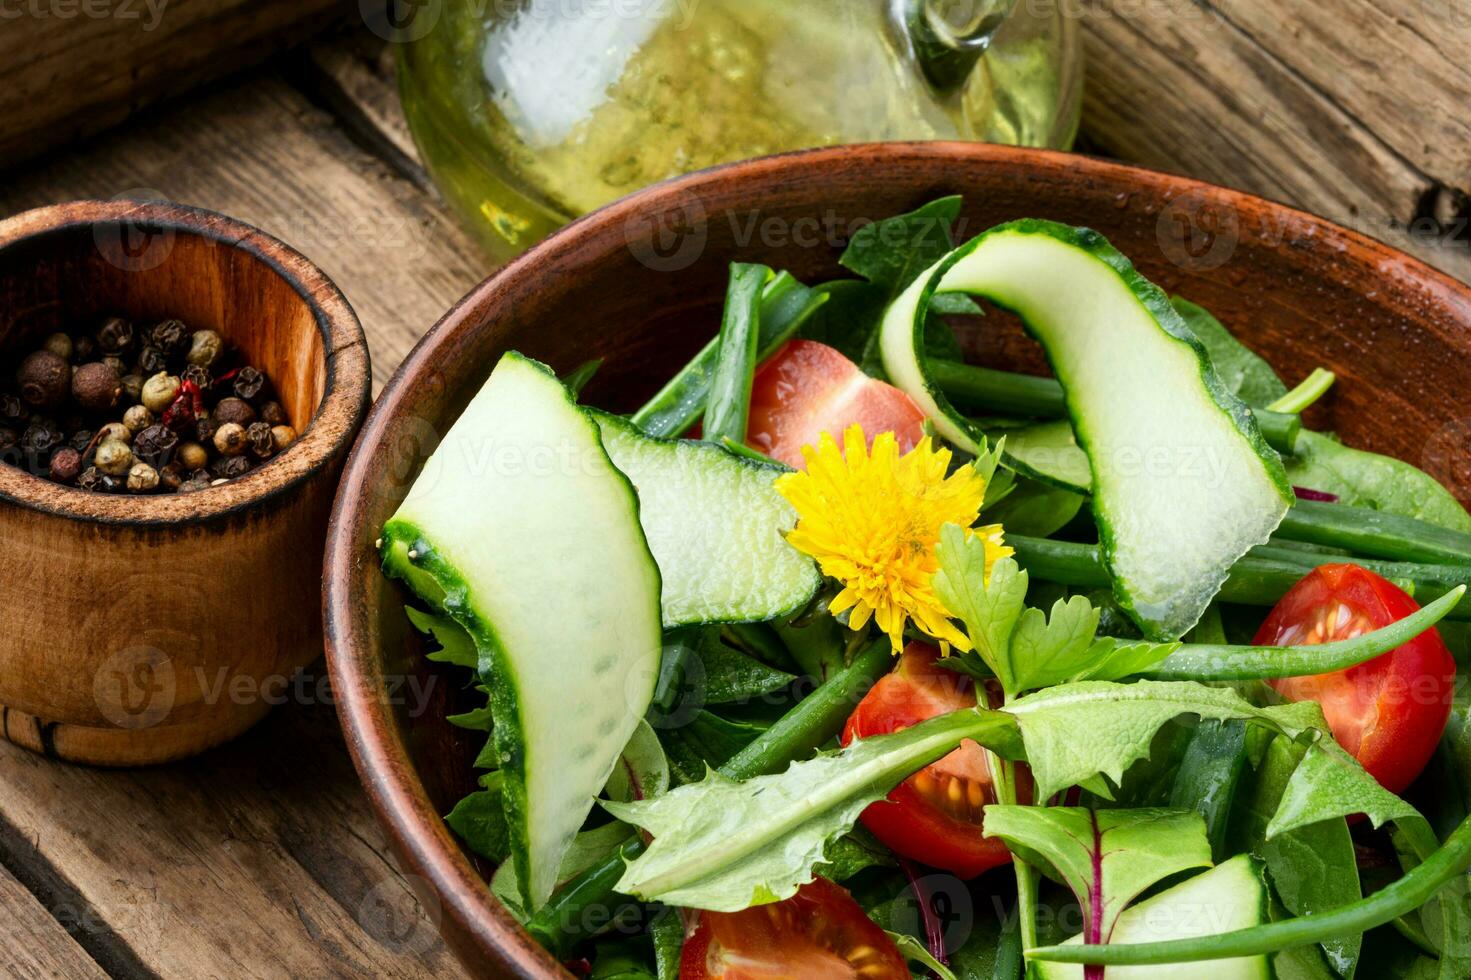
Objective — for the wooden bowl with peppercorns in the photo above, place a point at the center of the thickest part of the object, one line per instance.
(178, 392)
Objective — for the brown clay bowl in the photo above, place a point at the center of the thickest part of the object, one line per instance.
(143, 629)
(640, 284)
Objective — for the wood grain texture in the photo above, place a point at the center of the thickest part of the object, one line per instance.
(141, 629)
(70, 68)
(1355, 110)
(256, 860)
(36, 941)
(261, 151)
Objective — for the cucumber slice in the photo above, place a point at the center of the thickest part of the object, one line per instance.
(1232, 895)
(715, 525)
(523, 531)
(1182, 480)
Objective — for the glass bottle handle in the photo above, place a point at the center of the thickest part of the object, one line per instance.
(949, 36)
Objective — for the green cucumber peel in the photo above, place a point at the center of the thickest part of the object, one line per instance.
(1224, 662)
(1406, 895)
(1190, 420)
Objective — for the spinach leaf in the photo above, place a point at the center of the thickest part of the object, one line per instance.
(893, 252)
(724, 845)
(1364, 479)
(1245, 373)
(480, 820)
(1208, 776)
(1034, 509)
(666, 929)
(1107, 857)
(1312, 868)
(705, 741)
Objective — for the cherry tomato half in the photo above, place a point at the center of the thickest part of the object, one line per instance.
(820, 933)
(807, 388)
(933, 816)
(1388, 712)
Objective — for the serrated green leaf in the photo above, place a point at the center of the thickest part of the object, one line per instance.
(725, 846)
(455, 644)
(1076, 731)
(480, 820)
(914, 951)
(1048, 650)
(477, 719)
(588, 848)
(1107, 857)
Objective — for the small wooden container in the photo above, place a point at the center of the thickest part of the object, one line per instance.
(136, 630)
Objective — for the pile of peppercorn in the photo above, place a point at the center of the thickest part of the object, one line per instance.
(140, 410)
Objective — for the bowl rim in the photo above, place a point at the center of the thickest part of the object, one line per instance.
(345, 397)
(373, 736)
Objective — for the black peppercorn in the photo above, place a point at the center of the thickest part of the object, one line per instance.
(249, 383)
(92, 479)
(83, 348)
(272, 413)
(81, 439)
(151, 360)
(66, 465)
(8, 438)
(229, 467)
(204, 430)
(96, 387)
(198, 376)
(170, 336)
(44, 379)
(115, 335)
(155, 445)
(40, 438)
(262, 445)
(12, 409)
(170, 477)
(234, 410)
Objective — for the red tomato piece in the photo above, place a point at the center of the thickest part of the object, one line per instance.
(820, 933)
(1388, 712)
(807, 388)
(933, 816)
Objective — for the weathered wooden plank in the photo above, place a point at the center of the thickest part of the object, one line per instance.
(69, 68)
(259, 150)
(1254, 95)
(36, 942)
(260, 859)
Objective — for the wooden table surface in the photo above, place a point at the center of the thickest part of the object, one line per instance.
(262, 858)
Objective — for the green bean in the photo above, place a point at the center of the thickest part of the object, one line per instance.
(728, 405)
(1220, 662)
(1007, 393)
(1385, 905)
(1252, 581)
(583, 907)
(785, 305)
(1376, 533)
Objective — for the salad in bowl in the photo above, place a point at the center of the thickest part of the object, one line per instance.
(840, 639)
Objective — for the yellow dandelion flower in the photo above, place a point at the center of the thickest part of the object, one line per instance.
(872, 521)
